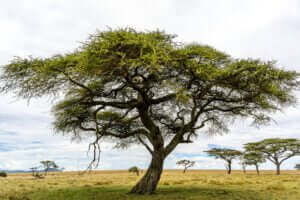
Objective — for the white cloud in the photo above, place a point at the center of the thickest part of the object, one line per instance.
(265, 29)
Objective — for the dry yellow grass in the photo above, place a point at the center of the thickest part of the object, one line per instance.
(196, 184)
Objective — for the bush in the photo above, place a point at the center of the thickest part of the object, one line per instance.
(134, 170)
(3, 174)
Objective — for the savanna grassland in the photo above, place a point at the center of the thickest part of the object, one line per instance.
(114, 185)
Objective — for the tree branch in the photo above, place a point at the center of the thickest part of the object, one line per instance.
(145, 144)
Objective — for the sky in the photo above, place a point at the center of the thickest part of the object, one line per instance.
(265, 29)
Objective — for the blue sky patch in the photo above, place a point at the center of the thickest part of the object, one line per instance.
(5, 147)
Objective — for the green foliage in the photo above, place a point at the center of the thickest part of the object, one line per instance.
(186, 164)
(113, 68)
(3, 174)
(276, 150)
(48, 164)
(223, 153)
(134, 169)
(228, 155)
(253, 158)
(143, 87)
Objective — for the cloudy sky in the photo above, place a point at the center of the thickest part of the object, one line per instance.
(266, 29)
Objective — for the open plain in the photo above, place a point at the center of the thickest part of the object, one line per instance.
(174, 185)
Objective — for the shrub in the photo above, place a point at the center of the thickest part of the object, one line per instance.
(3, 174)
(134, 169)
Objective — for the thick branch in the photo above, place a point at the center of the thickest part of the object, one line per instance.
(145, 144)
(163, 99)
(75, 82)
(115, 104)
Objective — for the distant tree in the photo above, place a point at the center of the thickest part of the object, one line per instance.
(33, 171)
(253, 158)
(3, 174)
(134, 169)
(225, 154)
(186, 164)
(243, 164)
(297, 166)
(36, 172)
(144, 87)
(48, 164)
(276, 150)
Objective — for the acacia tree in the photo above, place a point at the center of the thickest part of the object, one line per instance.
(253, 158)
(48, 164)
(297, 166)
(145, 88)
(225, 154)
(276, 150)
(244, 165)
(186, 164)
(34, 171)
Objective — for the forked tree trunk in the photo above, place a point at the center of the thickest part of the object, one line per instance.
(148, 183)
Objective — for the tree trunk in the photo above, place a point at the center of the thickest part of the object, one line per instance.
(278, 169)
(244, 169)
(257, 170)
(148, 183)
(184, 170)
(229, 168)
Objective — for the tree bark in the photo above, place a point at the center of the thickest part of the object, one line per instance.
(229, 168)
(278, 169)
(257, 170)
(148, 183)
(244, 169)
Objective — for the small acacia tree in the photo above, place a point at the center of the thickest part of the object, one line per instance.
(225, 154)
(186, 164)
(48, 164)
(145, 88)
(134, 169)
(276, 150)
(253, 158)
(297, 166)
(36, 172)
